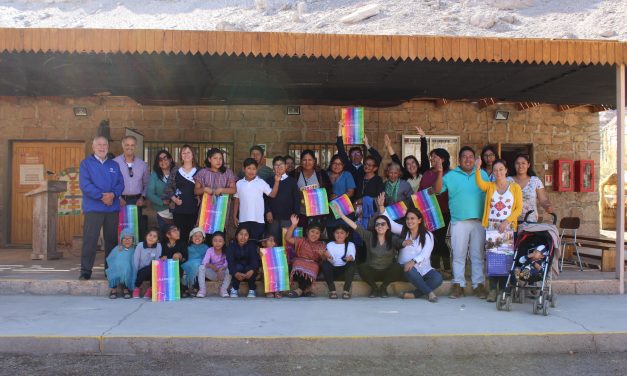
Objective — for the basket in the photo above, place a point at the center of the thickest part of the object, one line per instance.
(498, 264)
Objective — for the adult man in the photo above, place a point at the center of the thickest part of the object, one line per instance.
(101, 183)
(466, 202)
(264, 172)
(136, 177)
(354, 164)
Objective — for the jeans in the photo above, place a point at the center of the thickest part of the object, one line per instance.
(244, 269)
(425, 284)
(331, 272)
(92, 224)
(468, 235)
(144, 274)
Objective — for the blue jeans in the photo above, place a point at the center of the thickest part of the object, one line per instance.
(424, 284)
(468, 237)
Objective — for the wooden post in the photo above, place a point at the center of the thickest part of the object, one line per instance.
(45, 212)
(620, 181)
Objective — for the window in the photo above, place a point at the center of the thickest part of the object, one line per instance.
(411, 146)
(200, 151)
(324, 151)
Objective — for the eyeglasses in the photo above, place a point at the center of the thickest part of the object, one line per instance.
(489, 155)
(380, 224)
(164, 158)
(130, 171)
(337, 164)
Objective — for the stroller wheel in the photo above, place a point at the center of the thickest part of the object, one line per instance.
(553, 299)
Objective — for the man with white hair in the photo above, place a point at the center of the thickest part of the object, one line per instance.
(101, 183)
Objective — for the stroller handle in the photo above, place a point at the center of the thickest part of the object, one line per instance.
(531, 211)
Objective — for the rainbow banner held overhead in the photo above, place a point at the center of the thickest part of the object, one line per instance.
(289, 248)
(213, 212)
(316, 202)
(166, 281)
(353, 130)
(342, 205)
(127, 220)
(275, 271)
(430, 209)
(396, 211)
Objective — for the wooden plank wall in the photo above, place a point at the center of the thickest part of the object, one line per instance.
(446, 48)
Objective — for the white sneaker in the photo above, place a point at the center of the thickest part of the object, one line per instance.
(233, 293)
(224, 293)
(201, 294)
(252, 294)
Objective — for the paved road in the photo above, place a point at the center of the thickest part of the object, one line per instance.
(188, 365)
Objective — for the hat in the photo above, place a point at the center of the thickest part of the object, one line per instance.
(196, 230)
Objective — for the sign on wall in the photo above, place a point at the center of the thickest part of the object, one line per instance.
(411, 146)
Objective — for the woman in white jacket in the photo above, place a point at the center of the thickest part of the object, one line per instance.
(415, 255)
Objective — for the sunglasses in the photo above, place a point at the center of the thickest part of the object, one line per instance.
(130, 171)
(380, 224)
(164, 158)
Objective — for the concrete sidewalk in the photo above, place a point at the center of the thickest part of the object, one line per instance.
(69, 324)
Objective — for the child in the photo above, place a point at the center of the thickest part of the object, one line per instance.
(174, 248)
(243, 262)
(145, 253)
(340, 259)
(309, 252)
(249, 202)
(214, 266)
(195, 252)
(270, 242)
(120, 266)
(531, 265)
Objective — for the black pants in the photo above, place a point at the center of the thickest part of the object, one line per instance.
(332, 272)
(255, 229)
(394, 272)
(144, 274)
(303, 283)
(141, 221)
(94, 221)
(440, 248)
(493, 282)
(244, 269)
(185, 223)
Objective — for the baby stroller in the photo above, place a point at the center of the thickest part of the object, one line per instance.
(532, 268)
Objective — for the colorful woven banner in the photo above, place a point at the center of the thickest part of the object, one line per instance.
(275, 272)
(430, 209)
(213, 211)
(127, 220)
(342, 205)
(166, 282)
(289, 248)
(353, 130)
(396, 211)
(316, 202)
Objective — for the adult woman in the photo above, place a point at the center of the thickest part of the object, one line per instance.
(180, 191)
(161, 170)
(308, 176)
(309, 253)
(290, 164)
(532, 189)
(396, 189)
(503, 205)
(489, 154)
(415, 256)
(381, 249)
(412, 169)
(441, 252)
(216, 179)
(343, 183)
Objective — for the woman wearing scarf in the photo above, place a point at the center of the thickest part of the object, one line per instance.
(120, 271)
(396, 189)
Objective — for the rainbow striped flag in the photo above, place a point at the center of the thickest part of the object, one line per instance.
(127, 220)
(430, 209)
(342, 205)
(275, 272)
(353, 130)
(166, 282)
(316, 202)
(396, 211)
(289, 248)
(213, 212)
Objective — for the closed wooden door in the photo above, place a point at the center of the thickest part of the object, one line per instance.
(33, 162)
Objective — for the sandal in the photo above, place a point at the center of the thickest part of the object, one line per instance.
(126, 294)
(332, 295)
(278, 295)
(185, 294)
(113, 294)
(408, 295)
(293, 294)
(346, 295)
(270, 295)
(432, 298)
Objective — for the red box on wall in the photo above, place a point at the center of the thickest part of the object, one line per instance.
(563, 179)
(584, 176)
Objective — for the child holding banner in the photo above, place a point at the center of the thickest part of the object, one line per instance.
(309, 252)
(145, 253)
(340, 260)
(214, 266)
(268, 243)
(243, 262)
(120, 266)
(173, 247)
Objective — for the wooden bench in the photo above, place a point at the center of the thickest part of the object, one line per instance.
(599, 248)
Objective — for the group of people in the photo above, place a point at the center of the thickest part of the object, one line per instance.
(267, 206)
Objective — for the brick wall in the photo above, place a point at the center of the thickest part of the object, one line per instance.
(573, 134)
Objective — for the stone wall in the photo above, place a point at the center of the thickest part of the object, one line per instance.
(573, 134)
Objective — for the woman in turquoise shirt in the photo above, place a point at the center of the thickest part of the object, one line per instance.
(161, 170)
